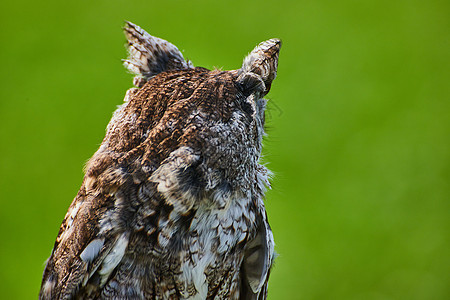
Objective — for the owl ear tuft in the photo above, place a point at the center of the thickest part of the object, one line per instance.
(259, 68)
(149, 55)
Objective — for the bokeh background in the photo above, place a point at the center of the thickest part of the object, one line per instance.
(358, 125)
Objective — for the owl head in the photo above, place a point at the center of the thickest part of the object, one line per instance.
(242, 89)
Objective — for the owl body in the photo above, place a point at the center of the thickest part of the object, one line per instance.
(171, 206)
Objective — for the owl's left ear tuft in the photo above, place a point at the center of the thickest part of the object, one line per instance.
(259, 68)
(149, 55)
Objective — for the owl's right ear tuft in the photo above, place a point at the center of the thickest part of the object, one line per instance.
(259, 68)
(149, 55)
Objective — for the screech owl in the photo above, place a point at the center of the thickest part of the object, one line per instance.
(171, 205)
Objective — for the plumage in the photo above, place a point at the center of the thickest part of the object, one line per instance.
(171, 205)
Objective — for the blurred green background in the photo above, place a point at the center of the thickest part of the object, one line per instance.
(358, 125)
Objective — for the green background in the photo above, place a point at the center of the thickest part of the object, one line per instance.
(358, 125)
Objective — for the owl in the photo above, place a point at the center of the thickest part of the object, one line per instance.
(171, 205)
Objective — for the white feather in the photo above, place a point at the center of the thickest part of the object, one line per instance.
(92, 250)
(114, 257)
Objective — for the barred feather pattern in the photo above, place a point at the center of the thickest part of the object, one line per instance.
(149, 55)
(171, 205)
